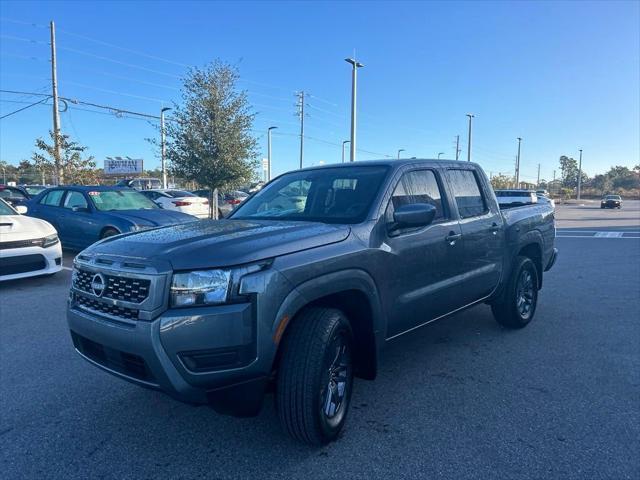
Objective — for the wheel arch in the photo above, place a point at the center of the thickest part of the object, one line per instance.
(354, 293)
(533, 250)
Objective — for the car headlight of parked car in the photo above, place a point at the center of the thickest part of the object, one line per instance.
(209, 287)
(50, 240)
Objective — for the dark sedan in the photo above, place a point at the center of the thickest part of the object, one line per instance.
(611, 201)
(14, 196)
(83, 215)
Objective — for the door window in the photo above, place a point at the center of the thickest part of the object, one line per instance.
(75, 199)
(467, 193)
(418, 186)
(52, 198)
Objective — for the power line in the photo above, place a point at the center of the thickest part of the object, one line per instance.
(24, 108)
(112, 60)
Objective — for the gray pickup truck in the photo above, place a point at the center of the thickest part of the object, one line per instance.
(301, 287)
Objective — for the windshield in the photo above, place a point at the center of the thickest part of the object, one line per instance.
(179, 193)
(34, 189)
(330, 195)
(10, 193)
(612, 197)
(6, 209)
(106, 200)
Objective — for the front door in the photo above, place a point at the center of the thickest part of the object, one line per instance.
(423, 262)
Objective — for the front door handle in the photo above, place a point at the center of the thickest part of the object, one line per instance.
(495, 228)
(452, 238)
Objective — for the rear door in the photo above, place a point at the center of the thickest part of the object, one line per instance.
(482, 234)
(424, 261)
(48, 208)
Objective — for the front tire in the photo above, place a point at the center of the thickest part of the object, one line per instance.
(315, 376)
(517, 305)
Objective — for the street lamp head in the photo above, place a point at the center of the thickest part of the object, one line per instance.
(165, 109)
(345, 142)
(353, 62)
(271, 128)
(470, 115)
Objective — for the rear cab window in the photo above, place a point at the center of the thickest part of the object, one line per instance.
(468, 193)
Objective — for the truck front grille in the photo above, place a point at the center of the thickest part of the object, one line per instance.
(98, 307)
(127, 289)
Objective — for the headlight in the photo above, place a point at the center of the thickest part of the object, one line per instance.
(50, 240)
(210, 287)
(203, 287)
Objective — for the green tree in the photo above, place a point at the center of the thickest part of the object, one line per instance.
(209, 140)
(568, 172)
(502, 181)
(74, 168)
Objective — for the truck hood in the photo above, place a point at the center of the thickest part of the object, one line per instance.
(220, 243)
(156, 217)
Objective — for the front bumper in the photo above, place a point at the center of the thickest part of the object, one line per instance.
(35, 260)
(198, 355)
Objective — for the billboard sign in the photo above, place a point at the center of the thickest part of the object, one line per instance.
(123, 166)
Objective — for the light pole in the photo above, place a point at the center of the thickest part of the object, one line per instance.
(400, 151)
(441, 153)
(579, 174)
(354, 90)
(162, 151)
(343, 144)
(269, 152)
(518, 164)
(470, 115)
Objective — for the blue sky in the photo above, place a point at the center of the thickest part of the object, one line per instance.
(562, 75)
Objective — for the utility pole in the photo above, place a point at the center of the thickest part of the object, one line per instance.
(301, 114)
(538, 182)
(343, 144)
(554, 181)
(269, 152)
(56, 112)
(354, 91)
(162, 147)
(399, 152)
(579, 174)
(470, 115)
(457, 147)
(518, 164)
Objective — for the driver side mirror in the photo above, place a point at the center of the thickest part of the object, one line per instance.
(413, 215)
(21, 209)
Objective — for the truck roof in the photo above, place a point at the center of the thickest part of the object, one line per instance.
(399, 163)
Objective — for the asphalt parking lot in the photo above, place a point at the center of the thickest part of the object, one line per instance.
(460, 398)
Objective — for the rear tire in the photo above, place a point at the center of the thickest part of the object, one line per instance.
(517, 304)
(315, 376)
(109, 232)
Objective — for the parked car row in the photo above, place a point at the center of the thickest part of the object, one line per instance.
(180, 201)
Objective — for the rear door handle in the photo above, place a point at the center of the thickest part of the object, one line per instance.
(452, 238)
(495, 228)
